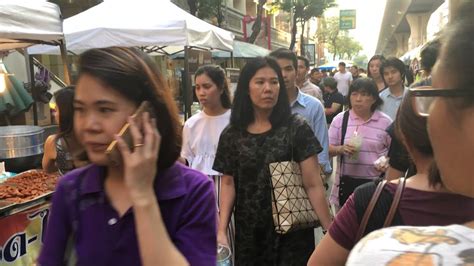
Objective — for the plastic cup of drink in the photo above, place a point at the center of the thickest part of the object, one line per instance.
(224, 256)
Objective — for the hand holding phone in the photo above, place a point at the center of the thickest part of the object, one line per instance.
(112, 151)
(140, 164)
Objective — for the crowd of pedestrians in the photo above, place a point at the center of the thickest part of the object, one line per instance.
(176, 194)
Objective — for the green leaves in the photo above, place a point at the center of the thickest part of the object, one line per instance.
(303, 11)
(338, 41)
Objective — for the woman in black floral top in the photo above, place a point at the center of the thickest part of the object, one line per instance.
(261, 131)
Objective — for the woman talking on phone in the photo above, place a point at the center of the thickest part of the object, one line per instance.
(143, 209)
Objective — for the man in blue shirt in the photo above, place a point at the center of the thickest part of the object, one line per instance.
(393, 73)
(305, 105)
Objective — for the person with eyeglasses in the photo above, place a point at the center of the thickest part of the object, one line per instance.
(449, 108)
(424, 200)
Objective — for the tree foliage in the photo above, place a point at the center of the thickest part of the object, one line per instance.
(303, 11)
(338, 41)
(207, 9)
(361, 60)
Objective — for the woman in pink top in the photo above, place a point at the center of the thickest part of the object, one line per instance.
(365, 139)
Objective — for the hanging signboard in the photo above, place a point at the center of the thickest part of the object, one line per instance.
(310, 52)
(347, 19)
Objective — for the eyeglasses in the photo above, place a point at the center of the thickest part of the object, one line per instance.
(423, 97)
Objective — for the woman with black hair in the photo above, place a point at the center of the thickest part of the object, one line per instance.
(201, 132)
(424, 201)
(262, 131)
(373, 71)
(60, 149)
(358, 136)
(448, 108)
(141, 209)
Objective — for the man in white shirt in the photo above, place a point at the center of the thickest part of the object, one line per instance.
(303, 81)
(344, 79)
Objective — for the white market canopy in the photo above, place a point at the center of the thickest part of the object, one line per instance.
(139, 23)
(23, 23)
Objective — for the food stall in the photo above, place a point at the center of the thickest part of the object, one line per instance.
(24, 196)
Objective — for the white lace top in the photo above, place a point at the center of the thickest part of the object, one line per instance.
(200, 138)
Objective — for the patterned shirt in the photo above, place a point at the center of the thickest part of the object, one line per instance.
(416, 207)
(246, 157)
(409, 245)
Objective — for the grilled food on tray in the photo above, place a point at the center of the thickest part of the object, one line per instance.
(27, 186)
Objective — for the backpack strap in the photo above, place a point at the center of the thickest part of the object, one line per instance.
(370, 208)
(363, 195)
(395, 202)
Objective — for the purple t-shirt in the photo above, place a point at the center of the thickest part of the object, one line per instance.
(417, 208)
(187, 203)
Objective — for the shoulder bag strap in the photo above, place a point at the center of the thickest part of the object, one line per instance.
(395, 202)
(290, 137)
(370, 208)
(345, 121)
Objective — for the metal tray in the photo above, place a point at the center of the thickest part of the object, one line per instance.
(11, 208)
(8, 208)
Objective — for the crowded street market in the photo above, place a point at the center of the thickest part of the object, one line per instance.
(244, 132)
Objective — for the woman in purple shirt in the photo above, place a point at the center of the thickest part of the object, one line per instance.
(146, 209)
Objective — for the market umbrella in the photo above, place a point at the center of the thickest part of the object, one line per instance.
(15, 99)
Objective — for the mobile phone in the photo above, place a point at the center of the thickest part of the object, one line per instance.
(113, 152)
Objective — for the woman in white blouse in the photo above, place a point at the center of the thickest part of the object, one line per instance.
(201, 132)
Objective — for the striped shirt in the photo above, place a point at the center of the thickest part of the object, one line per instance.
(375, 143)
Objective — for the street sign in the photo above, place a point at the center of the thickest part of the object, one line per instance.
(347, 19)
